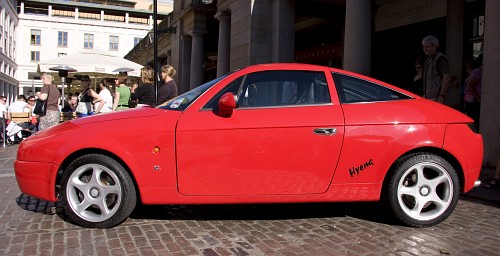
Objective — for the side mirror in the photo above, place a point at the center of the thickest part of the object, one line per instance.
(227, 103)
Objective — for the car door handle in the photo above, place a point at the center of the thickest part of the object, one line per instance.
(325, 131)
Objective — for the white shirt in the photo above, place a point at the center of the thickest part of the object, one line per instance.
(18, 106)
(108, 101)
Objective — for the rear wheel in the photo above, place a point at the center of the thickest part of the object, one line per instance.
(97, 192)
(423, 190)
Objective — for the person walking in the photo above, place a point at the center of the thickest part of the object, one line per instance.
(436, 73)
(472, 94)
(122, 93)
(51, 94)
(145, 93)
(168, 90)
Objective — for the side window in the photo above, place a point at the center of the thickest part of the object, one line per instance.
(353, 90)
(283, 88)
(232, 87)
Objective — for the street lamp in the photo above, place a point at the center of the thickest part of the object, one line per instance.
(63, 73)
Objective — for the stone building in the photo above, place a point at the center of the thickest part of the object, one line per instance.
(51, 28)
(8, 66)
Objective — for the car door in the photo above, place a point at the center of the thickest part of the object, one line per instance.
(284, 138)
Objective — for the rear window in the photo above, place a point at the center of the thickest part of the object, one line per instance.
(355, 90)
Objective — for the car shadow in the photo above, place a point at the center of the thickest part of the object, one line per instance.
(366, 211)
(370, 211)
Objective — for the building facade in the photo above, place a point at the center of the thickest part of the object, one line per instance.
(380, 38)
(8, 67)
(52, 28)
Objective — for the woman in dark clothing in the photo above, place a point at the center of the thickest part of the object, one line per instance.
(145, 94)
(168, 90)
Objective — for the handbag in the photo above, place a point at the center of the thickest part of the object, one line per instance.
(41, 106)
(83, 107)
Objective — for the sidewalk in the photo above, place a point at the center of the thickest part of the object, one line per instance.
(8, 154)
(482, 193)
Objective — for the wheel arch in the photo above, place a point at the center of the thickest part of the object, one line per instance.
(437, 151)
(87, 151)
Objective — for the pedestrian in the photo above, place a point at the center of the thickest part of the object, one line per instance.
(122, 93)
(51, 94)
(436, 73)
(472, 94)
(145, 93)
(168, 90)
(417, 86)
(104, 103)
(3, 116)
(87, 97)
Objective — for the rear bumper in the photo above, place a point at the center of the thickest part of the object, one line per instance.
(37, 179)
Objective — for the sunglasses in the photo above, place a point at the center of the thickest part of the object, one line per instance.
(31, 100)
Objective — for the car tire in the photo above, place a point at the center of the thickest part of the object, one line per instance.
(97, 192)
(423, 190)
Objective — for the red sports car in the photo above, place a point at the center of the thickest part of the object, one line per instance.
(273, 133)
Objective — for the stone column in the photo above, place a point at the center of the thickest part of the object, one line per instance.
(490, 118)
(50, 10)
(2, 89)
(185, 61)
(197, 72)
(76, 13)
(10, 93)
(283, 31)
(169, 57)
(223, 49)
(454, 47)
(357, 38)
(21, 10)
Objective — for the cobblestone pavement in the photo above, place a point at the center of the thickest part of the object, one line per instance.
(29, 226)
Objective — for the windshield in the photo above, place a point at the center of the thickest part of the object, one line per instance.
(183, 101)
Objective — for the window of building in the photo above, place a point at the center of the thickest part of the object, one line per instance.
(61, 54)
(6, 42)
(35, 36)
(113, 43)
(88, 41)
(11, 46)
(1, 36)
(136, 40)
(35, 56)
(62, 39)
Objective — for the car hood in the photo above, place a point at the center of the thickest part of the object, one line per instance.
(136, 113)
(124, 114)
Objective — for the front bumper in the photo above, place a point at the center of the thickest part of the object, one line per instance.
(37, 179)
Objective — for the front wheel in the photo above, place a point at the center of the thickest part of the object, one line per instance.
(423, 190)
(97, 192)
